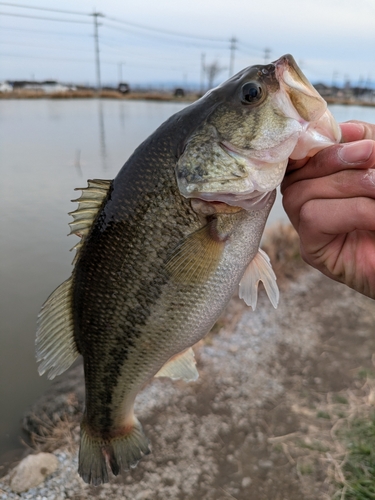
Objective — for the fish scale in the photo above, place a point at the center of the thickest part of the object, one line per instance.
(166, 243)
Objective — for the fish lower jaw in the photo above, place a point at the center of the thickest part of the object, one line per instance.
(255, 200)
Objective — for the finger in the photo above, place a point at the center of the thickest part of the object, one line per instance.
(351, 131)
(296, 164)
(356, 130)
(322, 220)
(359, 154)
(343, 184)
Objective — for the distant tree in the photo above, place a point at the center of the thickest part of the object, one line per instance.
(212, 70)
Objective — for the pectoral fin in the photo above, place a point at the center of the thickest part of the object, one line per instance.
(259, 269)
(182, 366)
(193, 261)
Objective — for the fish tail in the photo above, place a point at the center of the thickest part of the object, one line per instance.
(122, 452)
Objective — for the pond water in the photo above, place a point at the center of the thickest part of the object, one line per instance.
(49, 147)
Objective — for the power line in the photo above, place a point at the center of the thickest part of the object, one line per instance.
(115, 19)
(28, 30)
(165, 32)
(107, 62)
(157, 36)
(44, 8)
(49, 47)
(44, 18)
(247, 46)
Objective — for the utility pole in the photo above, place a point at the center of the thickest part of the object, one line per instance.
(267, 53)
(96, 42)
(232, 48)
(120, 71)
(203, 69)
(335, 74)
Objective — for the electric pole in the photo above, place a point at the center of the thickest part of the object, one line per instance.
(203, 69)
(120, 71)
(96, 42)
(267, 53)
(232, 48)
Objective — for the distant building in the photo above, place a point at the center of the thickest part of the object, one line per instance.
(6, 87)
(47, 86)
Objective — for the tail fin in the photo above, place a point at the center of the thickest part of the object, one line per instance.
(122, 452)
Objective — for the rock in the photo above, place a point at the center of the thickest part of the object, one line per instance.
(145, 495)
(246, 481)
(32, 471)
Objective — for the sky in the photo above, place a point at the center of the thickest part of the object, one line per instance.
(141, 41)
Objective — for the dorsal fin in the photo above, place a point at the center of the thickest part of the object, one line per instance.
(55, 344)
(89, 204)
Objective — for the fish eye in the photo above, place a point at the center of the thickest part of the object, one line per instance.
(251, 93)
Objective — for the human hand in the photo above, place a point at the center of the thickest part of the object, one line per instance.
(331, 204)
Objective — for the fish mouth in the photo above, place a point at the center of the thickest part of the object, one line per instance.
(299, 100)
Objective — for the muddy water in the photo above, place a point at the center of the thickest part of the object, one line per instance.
(47, 148)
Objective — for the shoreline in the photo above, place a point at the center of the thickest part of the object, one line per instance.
(104, 94)
(150, 95)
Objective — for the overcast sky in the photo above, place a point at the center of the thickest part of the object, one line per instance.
(330, 39)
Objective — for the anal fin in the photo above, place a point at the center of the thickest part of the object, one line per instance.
(180, 367)
(259, 269)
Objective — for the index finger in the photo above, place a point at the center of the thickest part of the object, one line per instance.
(353, 130)
(356, 155)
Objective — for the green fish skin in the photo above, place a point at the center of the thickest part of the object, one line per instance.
(164, 247)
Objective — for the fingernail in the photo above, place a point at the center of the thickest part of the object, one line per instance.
(356, 152)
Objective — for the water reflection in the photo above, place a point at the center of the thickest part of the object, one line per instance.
(122, 114)
(103, 148)
(77, 163)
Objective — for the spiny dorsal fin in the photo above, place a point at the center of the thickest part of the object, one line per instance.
(89, 204)
(193, 261)
(182, 366)
(259, 269)
(55, 345)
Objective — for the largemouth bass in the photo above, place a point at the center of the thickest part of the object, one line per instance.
(167, 242)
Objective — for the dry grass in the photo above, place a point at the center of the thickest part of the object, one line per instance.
(61, 433)
(281, 243)
(334, 448)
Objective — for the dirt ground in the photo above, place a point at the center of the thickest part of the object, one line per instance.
(261, 422)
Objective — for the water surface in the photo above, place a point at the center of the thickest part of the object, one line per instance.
(48, 148)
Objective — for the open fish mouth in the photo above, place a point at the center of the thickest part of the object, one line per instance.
(301, 101)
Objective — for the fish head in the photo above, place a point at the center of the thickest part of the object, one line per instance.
(258, 119)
